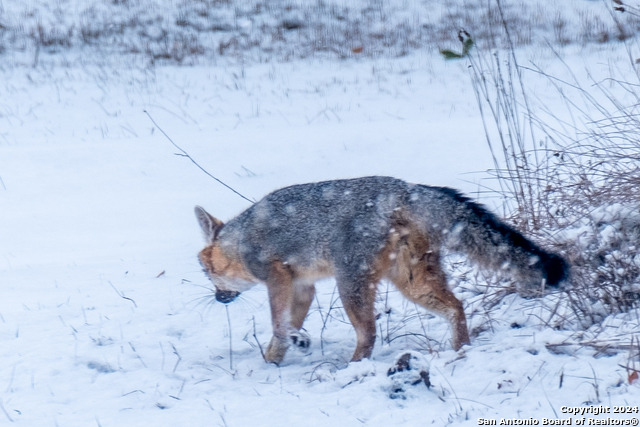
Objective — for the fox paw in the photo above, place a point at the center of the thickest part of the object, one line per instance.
(301, 340)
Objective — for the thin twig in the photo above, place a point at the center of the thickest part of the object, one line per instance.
(595, 384)
(326, 318)
(253, 319)
(230, 339)
(455, 395)
(121, 295)
(175, 351)
(5, 412)
(185, 154)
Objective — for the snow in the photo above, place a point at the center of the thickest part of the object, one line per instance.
(107, 319)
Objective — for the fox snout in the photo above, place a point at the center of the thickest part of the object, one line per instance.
(226, 297)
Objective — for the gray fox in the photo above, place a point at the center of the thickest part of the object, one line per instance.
(361, 231)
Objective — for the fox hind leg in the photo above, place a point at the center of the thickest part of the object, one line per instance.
(423, 282)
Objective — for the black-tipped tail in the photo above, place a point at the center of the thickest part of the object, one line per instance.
(471, 229)
(556, 269)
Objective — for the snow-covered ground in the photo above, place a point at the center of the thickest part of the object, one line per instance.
(107, 319)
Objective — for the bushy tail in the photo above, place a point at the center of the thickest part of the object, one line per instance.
(468, 227)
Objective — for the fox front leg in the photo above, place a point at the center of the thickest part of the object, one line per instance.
(303, 294)
(289, 305)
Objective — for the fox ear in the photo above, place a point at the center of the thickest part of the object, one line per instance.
(210, 225)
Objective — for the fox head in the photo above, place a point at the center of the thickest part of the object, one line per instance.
(226, 271)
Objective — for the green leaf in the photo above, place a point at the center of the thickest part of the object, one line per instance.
(449, 54)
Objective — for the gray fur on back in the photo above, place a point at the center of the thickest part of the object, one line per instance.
(347, 222)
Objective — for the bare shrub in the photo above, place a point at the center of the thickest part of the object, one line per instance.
(575, 184)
